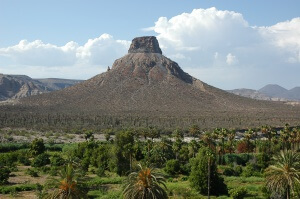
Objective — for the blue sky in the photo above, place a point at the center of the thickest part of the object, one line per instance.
(259, 44)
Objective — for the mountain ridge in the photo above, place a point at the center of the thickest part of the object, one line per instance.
(271, 92)
(14, 87)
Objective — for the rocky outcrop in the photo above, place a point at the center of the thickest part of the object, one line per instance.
(20, 86)
(145, 45)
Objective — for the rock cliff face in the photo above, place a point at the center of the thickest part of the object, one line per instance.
(20, 86)
(144, 45)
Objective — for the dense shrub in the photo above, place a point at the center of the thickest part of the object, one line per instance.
(172, 167)
(262, 160)
(229, 172)
(41, 160)
(37, 146)
(238, 193)
(57, 160)
(32, 173)
(251, 170)
(240, 159)
(8, 159)
(100, 172)
(4, 175)
(8, 147)
(17, 188)
(238, 170)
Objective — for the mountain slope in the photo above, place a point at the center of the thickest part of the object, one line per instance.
(274, 90)
(146, 86)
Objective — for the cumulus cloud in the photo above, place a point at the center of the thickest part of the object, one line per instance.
(213, 39)
(217, 46)
(38, 58)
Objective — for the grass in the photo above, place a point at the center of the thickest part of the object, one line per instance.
(252, 184)
(17, 188)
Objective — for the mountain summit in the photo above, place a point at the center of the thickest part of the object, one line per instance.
(145, 45)
(145, 84)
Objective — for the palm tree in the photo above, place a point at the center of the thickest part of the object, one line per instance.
(284, 174)
(194, 130)
(145, 184)
(231, 137)
(69, 186)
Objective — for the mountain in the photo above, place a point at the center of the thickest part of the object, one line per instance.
(274, 90)
(271, 92)
(146, 88)
(294, 93)
(19, 86)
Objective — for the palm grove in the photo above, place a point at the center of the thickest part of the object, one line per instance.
(152, 163)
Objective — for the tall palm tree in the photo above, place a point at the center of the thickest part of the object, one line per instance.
(231, 137)
(194, 130)
(69, 186)
(284, 174)
(145, 184)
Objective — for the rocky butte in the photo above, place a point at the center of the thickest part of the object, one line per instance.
(146, 88)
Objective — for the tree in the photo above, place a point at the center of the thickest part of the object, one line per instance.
(172, 167)
(201, 165)
(231, 137)
(146, 183)
(37, 146)
(89, 135)
(70, 184)
(284, 174)
(41, 160)
(194, 130)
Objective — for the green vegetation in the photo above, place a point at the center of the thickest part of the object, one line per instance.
(212, 163)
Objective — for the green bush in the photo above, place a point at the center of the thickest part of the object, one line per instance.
(238, 170)
(7, 147)
(41, 160)
(57, 160)
(4, 175)
(229, 172)
(240, 159)
(24, 159)
(32, 173)
(172, 167)
(17, 188)
(251, 170)
(37, 146)
(238, 193)
(100, 172)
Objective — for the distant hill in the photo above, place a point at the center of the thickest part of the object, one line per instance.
(250, 93)
(20, 86)
(57, 84)
(271, 92)
(145, 88)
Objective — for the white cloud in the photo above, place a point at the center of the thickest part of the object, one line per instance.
(37, 58)
(214, 38)
(216, 46)
(231, 59)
